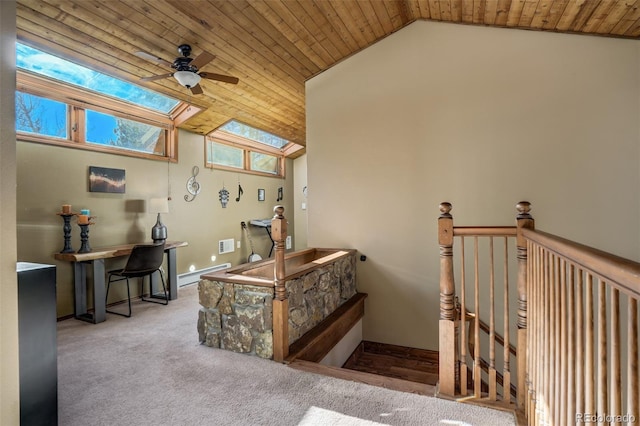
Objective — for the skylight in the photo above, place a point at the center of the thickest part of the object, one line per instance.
(42, 63)
(254, 134)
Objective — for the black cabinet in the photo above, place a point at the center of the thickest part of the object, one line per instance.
(37, 331)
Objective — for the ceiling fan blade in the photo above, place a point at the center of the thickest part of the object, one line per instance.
(219, 77)
(152, 58)
(202, 59)
(197, 90)
(156, 77)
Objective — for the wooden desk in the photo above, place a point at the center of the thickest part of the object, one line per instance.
(96, 258)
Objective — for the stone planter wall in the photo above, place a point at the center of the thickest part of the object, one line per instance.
(315, 295)
(239, 317)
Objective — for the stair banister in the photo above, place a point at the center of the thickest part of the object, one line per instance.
(448, 368)
(280, 302)
(523, 221)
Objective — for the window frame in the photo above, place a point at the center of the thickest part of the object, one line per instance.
(79, 99)
(247, 145)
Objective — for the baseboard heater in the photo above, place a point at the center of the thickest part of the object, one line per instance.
(193, 277)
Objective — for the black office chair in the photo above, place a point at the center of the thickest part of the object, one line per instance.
(144, 260)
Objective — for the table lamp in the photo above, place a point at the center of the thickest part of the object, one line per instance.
(159, 231)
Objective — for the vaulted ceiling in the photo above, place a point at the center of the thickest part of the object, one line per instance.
(274, 46)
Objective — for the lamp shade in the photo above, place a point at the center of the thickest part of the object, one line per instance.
(158, 205)
(187, 78)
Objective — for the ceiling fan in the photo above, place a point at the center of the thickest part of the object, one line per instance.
(186, 69)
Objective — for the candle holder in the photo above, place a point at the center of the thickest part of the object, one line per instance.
(66, 217)
(84, 236)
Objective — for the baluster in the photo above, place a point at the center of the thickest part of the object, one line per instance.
(616, 382)
(523, 220)
(540, 337)
(571, 341)
(603, 394)
(506, 371)
(447, 333)
(463, 325)
(532, 338)
(579, 326)
(562, 354)
(492, 327)
(553, 337)
(547, 340)
(589, 350)
(280, 303)
(477, 370)
(633, 386)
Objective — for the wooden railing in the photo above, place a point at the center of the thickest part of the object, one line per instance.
(454, 327)
(572, 365)
(580, 369)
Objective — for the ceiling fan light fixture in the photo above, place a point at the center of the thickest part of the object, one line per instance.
(188, 79)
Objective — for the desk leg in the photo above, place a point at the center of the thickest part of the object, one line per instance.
(80, 289)
(172, 274)
(80, 284)
(171, 278)
(99, 292)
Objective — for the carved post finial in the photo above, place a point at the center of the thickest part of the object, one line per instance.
(278, 212)
(445, 208)
(523, 208)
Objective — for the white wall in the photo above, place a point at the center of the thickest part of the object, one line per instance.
(9, 380)
(482, 118)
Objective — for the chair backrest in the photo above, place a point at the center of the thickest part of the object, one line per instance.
(144, 259)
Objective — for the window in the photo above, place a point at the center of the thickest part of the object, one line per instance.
(237, 146)
(109, 130)
(264, 163)
(41, 116)
(248, 132)
(63, 103)
(41, 63)
(225, 155)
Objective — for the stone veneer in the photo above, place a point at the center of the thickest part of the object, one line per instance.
(239, 317)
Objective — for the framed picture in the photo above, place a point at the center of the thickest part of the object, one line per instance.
(260, 194)
(102, 179)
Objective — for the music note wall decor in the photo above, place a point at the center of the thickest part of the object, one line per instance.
(193, 187)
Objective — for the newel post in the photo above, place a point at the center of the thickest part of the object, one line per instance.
(523, 220)
(280, 302)
(448, 317)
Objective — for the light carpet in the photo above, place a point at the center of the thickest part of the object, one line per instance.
(150, 370)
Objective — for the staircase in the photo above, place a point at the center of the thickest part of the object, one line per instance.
(414, 365)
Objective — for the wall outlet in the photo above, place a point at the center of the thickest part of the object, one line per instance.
(238, 244)
(287, 242)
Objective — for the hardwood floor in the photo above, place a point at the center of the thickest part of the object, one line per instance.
(415, 365)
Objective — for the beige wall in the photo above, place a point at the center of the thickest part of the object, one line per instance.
(50, 176)
(480, 117)
(300, 202)
(9, 380)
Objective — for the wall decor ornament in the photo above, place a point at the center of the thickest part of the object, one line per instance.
(240, 191)
(102, 179)
(223, 195)
(66, 215)
(193, 187)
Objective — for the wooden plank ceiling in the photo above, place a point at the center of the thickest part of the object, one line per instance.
(274, 46)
